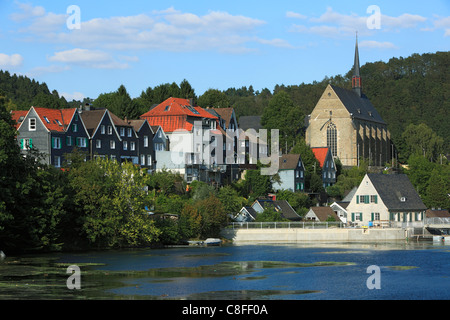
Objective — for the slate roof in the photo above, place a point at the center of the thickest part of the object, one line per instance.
(359, 107)
(250, 211)
(288, 161)
(392, 188)
(281, 206)
(250, 122)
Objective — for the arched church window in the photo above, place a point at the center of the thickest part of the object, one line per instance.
(332, 138)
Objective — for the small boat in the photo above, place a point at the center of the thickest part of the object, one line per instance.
(2, 255)
(212, 242)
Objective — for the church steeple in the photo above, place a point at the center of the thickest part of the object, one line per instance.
(356, 79)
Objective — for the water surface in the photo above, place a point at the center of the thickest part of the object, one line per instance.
(419, 270)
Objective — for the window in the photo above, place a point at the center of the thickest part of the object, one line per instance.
(142, 159)
(32, 124)
(112, 144)
(129, 132)
(132, 146)
(102, 129)
(375, 216)
(57, 161)
(363, 199)
(356, 216)
(81, 142)
(373, 199)
(160, 134)
(297, 174)
(125, 145)
(56, 143)
(75, 127)
(332, 138)
(46, 119)
(109, 130)
(98, 143)
(69, 141)
(145, 141)
(26, 144)
(122, 132)
(149, 160)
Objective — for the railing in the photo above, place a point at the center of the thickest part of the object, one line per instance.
(437, 221)
(284, 225)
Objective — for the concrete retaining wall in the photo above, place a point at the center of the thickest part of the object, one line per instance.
(299, 234)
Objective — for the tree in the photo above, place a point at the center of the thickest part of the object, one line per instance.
(420, 139)
(110, 200)
(438, 189)
(230, 199)
(282, 114)
(213, 98)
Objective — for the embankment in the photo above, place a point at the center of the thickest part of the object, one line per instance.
(292, 235)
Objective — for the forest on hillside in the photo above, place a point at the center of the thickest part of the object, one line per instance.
(405, 91)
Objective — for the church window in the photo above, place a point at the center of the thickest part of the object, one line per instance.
(332, 138)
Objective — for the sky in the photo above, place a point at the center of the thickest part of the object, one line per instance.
(85, 48)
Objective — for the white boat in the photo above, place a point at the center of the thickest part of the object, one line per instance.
(212, 242)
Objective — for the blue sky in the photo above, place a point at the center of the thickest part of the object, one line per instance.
(213, 44)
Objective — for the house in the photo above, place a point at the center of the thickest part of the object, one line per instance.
(385, 199)
(129, 139)
(52, 132)
(281, 206)
(105, 141)
(291, 172)
(146, 153)
(196, 140)
(246, 214)
(326, 162)
(322, 214)
(340, 208)
(346, 122)
(251, 146)
(160, 139)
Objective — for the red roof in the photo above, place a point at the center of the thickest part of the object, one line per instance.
(320, 154)
(173, 113)
(16, 114)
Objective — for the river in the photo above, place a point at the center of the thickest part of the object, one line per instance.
(347, 271)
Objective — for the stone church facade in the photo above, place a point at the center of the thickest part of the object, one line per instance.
(346, 122)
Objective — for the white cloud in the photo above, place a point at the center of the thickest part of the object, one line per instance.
(27, 12)
(334, 24)
(87, 58)
(443, 23)
(167, 30)
(291, 14)
(13, 60)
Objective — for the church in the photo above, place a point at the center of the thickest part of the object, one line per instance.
(347, 123)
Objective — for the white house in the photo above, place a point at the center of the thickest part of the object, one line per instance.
(384, 199)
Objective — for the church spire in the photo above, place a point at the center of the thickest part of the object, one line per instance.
(356, 79)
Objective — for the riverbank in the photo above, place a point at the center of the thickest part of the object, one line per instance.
(292, 235)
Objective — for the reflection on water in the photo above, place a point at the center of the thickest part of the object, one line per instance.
(414, 270)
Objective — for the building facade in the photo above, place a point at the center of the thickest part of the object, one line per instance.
(384, 199)
(346, 122)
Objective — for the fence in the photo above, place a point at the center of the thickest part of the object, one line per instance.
(288, 224)
(437, 221)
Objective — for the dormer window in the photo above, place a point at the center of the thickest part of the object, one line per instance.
(167, 108)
